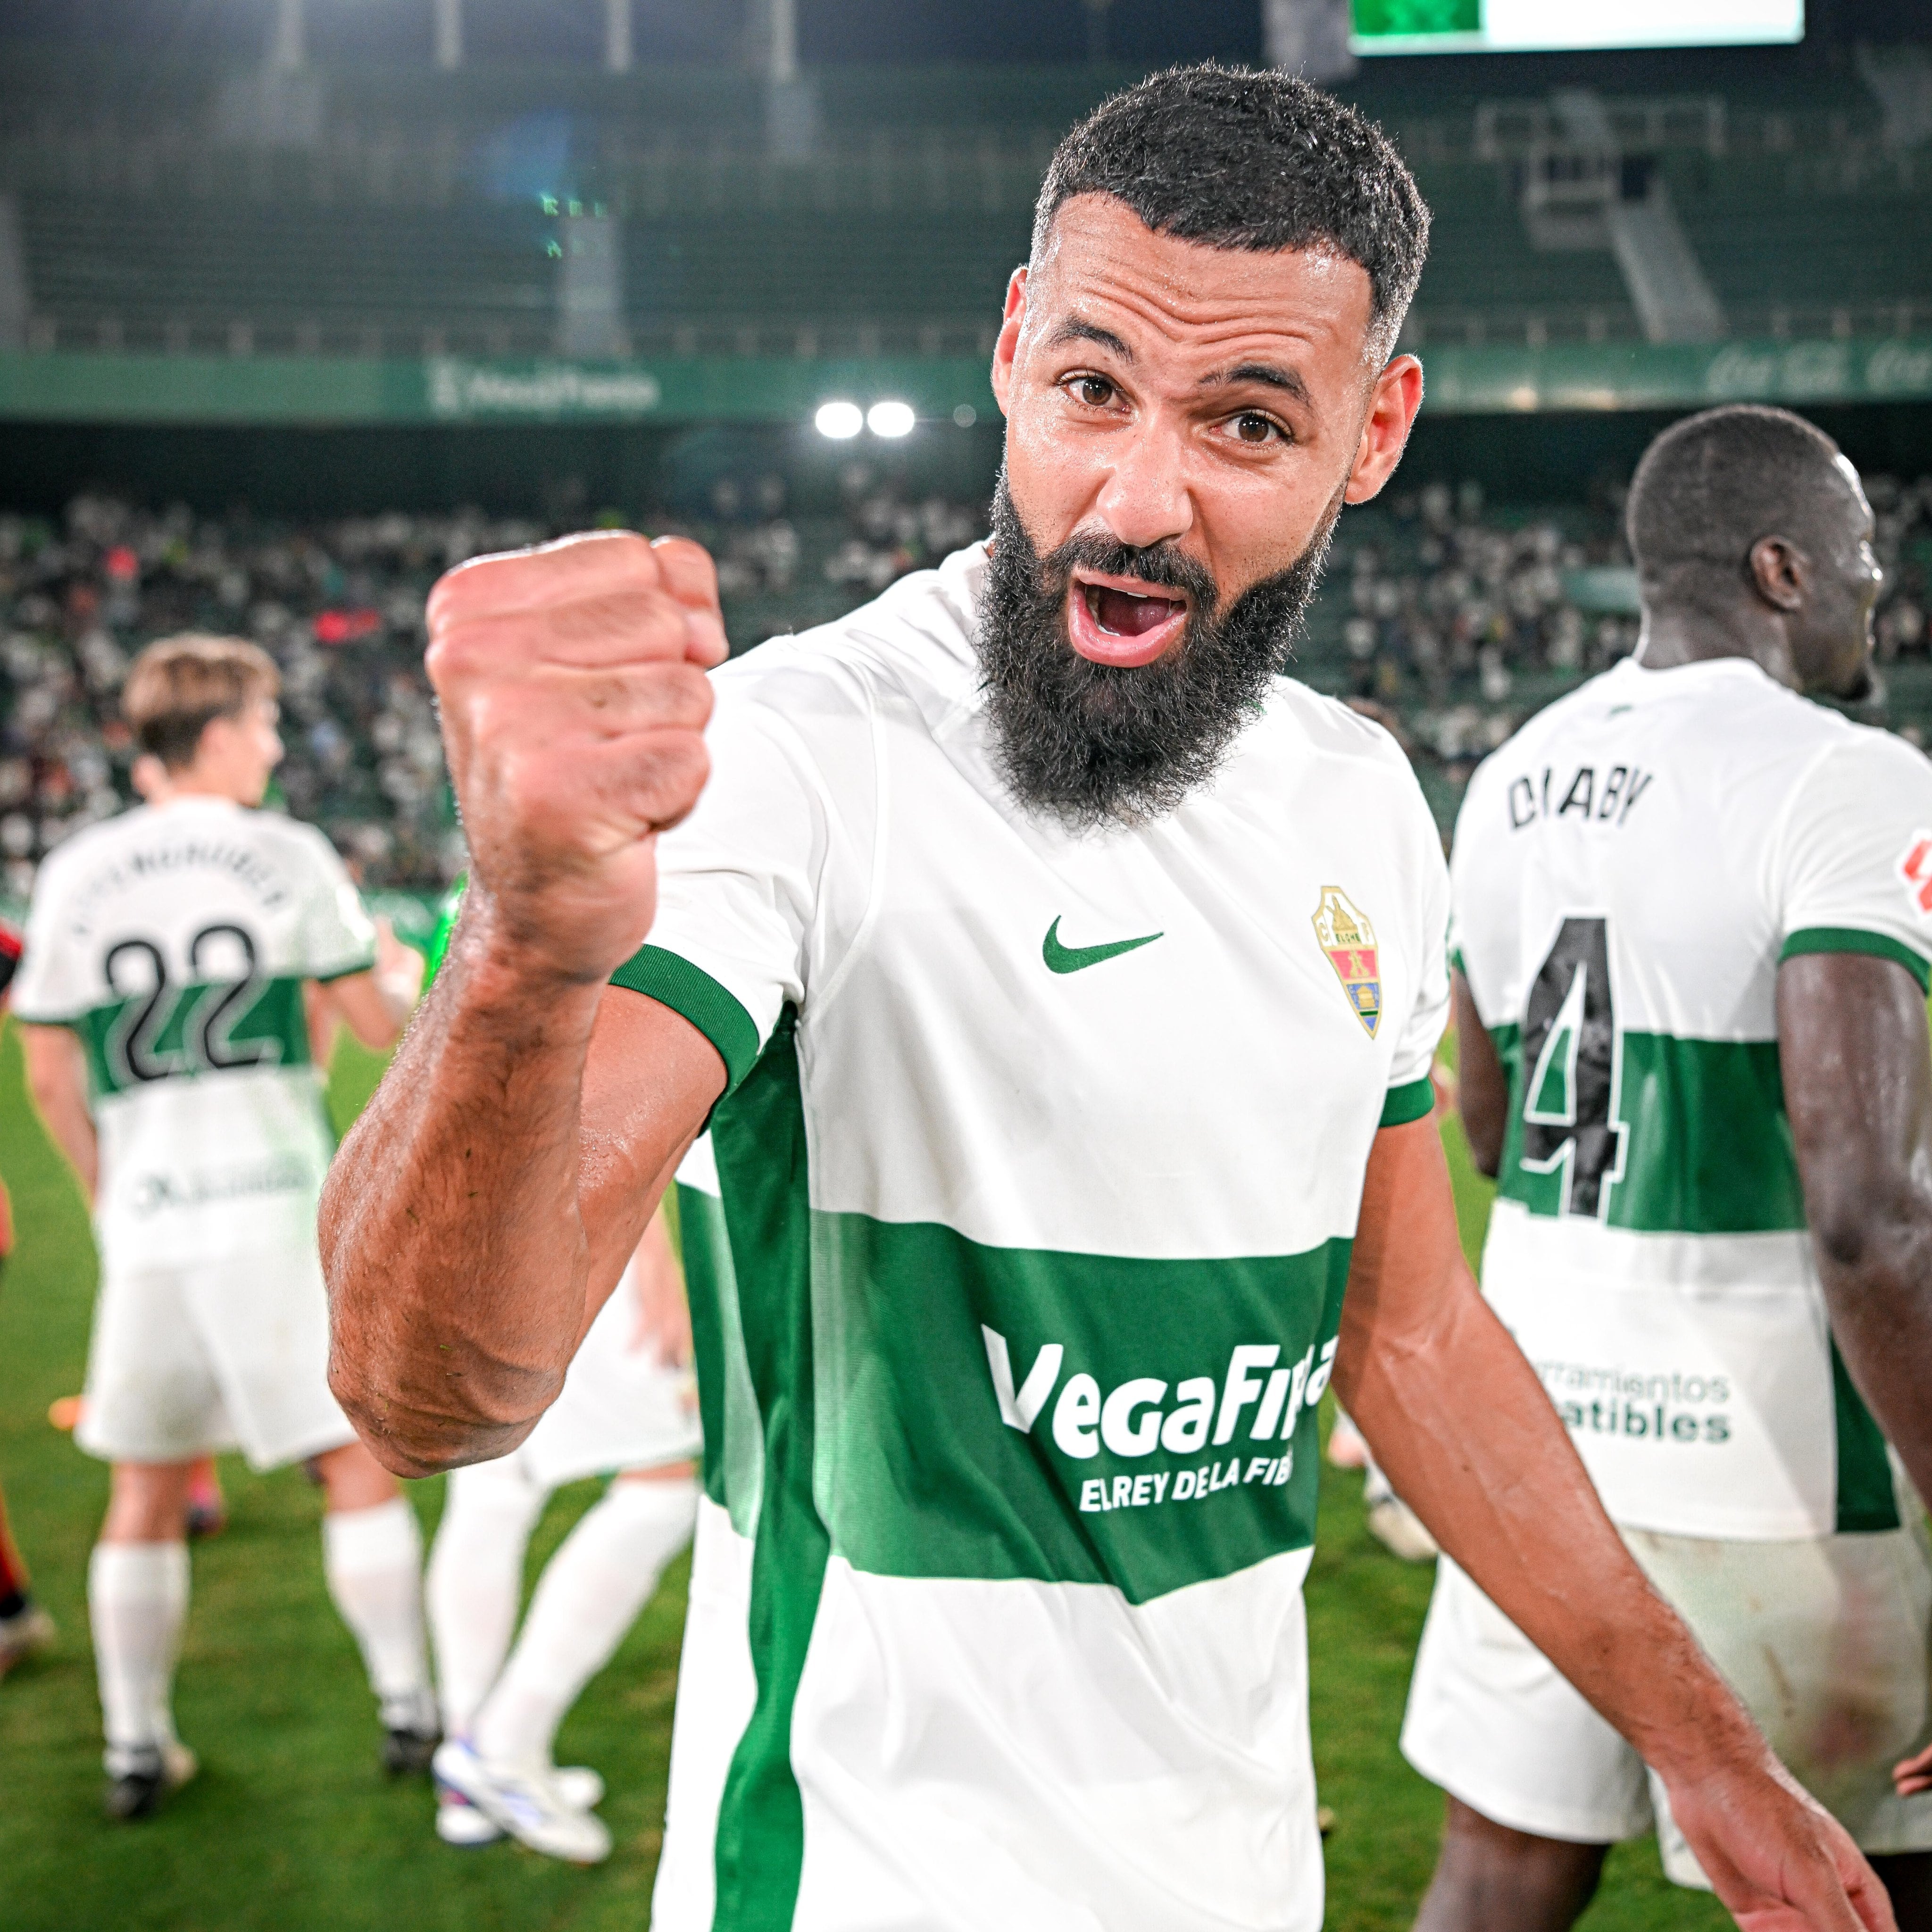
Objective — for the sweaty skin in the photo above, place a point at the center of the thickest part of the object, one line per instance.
(1155, 391)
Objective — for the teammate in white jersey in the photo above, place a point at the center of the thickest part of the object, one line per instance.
(162, 995)
(1060, 983)
(1693, 934)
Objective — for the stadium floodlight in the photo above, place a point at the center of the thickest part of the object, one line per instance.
(890, 418)
(838, 420)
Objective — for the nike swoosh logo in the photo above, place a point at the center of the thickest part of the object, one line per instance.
(1075, 958)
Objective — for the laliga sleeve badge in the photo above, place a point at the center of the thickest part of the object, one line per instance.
(1915, 869)
(1349, 940)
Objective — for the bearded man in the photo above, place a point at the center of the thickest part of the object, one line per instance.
(1060, 981)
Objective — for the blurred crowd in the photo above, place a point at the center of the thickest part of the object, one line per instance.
(340, 608)
(1454, 620)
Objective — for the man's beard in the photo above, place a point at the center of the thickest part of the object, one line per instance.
(1101, 744)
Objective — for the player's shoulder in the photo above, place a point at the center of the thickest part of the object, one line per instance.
(81, 851)
(1336, 750)
(1854, 761)
(1593, 702)
(916, 638)
(289, 847)
(1330, 726)
(295, 835)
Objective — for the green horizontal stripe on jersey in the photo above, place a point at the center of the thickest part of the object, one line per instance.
(1851, 939)
(672, 981)
(1409, 1102)
(194, 1031)
(923, 1477)
(1706, 1144)
(872, 1401)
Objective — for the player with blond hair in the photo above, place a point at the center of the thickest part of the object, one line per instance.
(167, 1045)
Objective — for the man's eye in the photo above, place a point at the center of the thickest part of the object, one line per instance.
(1256, 429)
(1095, 391)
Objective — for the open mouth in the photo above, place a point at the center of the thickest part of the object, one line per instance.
(1113, 624)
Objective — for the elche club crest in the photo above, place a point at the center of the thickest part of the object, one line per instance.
(1344, 933)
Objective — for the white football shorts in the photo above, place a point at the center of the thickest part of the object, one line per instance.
(1825, 1640)
(228, 1354)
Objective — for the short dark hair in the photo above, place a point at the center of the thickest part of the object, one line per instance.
(1711, 487)
(1241, 159)
(178, 686)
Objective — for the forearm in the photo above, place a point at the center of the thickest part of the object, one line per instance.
(71, 1127)
(1881, 1314)
(1462, 1426)
(57, 1079)
(451, 1235)
(1503, 1498)
(1858, 1088)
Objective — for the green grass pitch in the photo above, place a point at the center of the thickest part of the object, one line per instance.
(291, 1828)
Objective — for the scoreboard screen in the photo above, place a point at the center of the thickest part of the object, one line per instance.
(1527, 26)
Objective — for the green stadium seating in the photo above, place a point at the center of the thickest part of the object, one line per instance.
(411, 220)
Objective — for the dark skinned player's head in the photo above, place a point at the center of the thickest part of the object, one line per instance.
(1751, 518)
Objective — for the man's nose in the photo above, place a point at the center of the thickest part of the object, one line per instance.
(1146, 499)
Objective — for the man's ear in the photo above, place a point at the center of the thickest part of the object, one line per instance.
(1392, 403)
(1007, 346)
(1780, 573)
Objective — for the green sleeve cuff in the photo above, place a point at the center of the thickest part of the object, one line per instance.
(1851, 939)
(1411, 1103)
(673, 981)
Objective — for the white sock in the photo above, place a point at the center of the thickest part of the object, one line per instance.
(373, 1558)
(590, 1593)
(137, 1602)
(476, 1580)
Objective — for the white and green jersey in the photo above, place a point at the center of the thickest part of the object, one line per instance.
(1036, 1180)
(1630, 869)
(174, 940)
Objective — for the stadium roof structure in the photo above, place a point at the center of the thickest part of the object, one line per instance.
(359, 246)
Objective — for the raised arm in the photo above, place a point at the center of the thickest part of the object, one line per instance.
(1459, 1422)
(1858, 1088)
(486, 1201)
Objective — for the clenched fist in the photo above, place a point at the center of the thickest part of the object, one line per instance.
(571, 680)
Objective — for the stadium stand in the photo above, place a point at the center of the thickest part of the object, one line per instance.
(361, 212)
(386, 212)
(1452, 618)
(339, 606)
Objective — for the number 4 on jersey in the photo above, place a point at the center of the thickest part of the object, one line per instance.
(1569, 1049)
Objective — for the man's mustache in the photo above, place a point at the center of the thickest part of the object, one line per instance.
(1164, 564)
